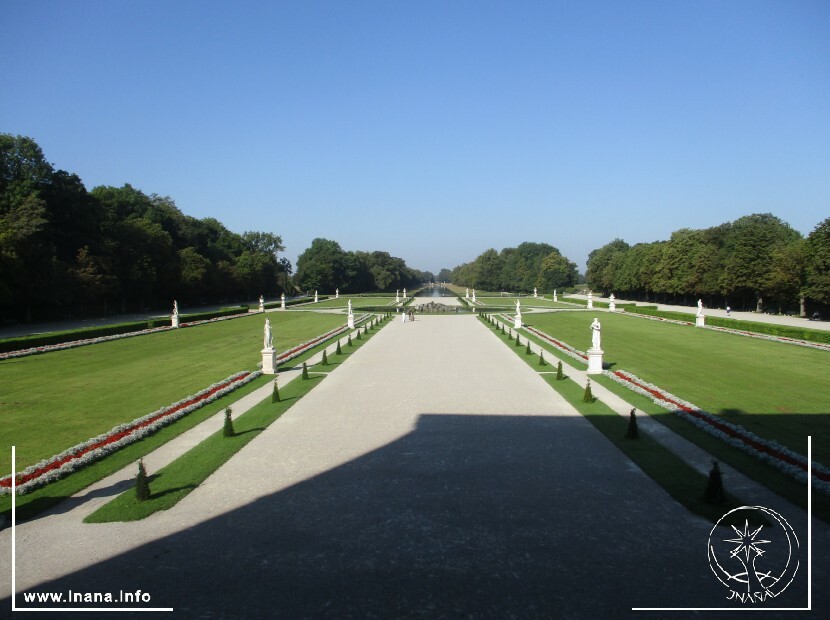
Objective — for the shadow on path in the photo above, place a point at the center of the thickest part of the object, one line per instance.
(473, 516)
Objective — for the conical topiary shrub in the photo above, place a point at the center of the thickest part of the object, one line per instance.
(338, 351)
(227, 429)
(275, 395)
(142, 483)
(358, 335)
(305, 372)
(518, 340)
(714, 493)
(559, 374)
(542, 361)
(349, 341)
(527, 348)
(632, 432)
(588, 397)
(325, 360)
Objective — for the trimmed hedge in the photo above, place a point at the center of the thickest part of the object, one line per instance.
(41, 340)
(769, 329)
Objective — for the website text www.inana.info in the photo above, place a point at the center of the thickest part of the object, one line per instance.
(87, 597)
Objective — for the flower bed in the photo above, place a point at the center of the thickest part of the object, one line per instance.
(769, 451)
(122, 435)
(567, 349)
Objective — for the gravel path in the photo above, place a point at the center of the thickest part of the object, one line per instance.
(434, 475)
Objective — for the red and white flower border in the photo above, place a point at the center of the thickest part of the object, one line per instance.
(122, 435)
(91, 450)
(768, 451)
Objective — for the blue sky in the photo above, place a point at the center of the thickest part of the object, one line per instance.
(435, 130)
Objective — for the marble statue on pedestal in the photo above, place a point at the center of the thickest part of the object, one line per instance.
(268, 336)
(596, 337)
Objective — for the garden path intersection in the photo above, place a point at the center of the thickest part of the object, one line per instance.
(433, 474)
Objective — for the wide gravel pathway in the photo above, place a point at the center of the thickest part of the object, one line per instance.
(434, 475)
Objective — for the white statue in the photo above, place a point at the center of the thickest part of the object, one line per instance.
(404, 293)
(612, 298)
(466, 293)
(268, 338)
(261, 303)
(350, 307)
(535, 294)
(175, 308)
(700, 307)
(315, 297)
(337, 293)
(474, 295)
(596, 328)
(518, 307)
(555, 298)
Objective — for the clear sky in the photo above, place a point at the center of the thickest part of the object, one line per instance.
(434, 130)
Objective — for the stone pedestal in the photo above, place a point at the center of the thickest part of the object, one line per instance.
(555, 297)
(350, 321)
(700, 321)
(282, 304)
(517, 322)
(612, 306)
(174, 320)
(595, 361)
(269, 362)
(590, 304)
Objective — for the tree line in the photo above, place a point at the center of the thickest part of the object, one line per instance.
(519, 269)
(68, 251)
(326, 267)
(757, 262)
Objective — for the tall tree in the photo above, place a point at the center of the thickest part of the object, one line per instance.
(817, 263)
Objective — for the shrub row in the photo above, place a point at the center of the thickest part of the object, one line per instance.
(41, 340)
(769, 329)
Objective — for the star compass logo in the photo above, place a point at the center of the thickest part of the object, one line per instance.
(753, 551)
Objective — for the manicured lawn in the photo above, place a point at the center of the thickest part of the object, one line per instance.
(526, 302)
(173, 482)
(679, 479)
(52, 401)
(776, 390)
(357, 302)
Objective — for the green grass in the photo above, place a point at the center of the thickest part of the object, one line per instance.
(775, 390)
(52, 401)
(680, 480)
(41, 499)
(173, 482)
(526, 302)
(357, 302)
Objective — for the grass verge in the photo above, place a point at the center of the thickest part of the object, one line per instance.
(679, 479)
(175, 481)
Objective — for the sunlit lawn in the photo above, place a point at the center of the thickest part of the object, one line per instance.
(526, 302)
(778, 391)
(357, 302)
(52, 401)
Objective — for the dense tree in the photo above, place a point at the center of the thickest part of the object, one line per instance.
(66, 250)
(750, 246)
(817, 263)
(600, 274)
